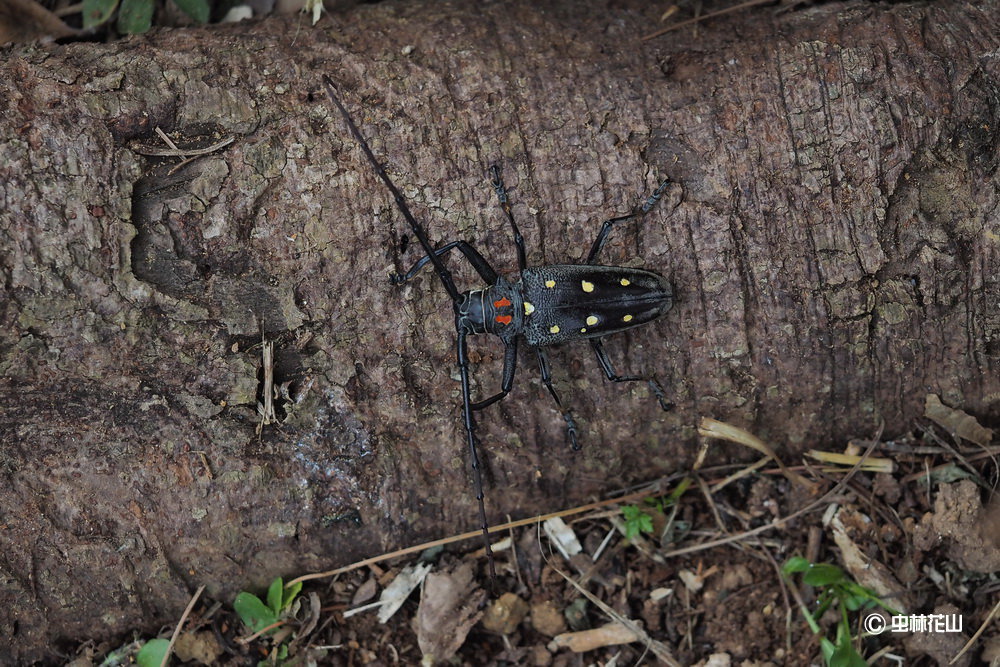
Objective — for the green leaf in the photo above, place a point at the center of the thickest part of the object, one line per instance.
(845, 656)
(274, 595)
(196, 9)
(152, 652)
(823, 574)
(290, 593)
(636, 521)
(255, 614)
(96, 12)
(135, 16)
(795, 564)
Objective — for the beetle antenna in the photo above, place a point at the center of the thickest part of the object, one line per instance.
(418, 230)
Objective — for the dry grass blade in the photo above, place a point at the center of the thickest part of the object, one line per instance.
(873, 464)
(712, 428)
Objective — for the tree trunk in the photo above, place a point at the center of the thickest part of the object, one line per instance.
(832, 235)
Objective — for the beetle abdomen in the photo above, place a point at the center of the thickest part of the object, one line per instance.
(567, 302)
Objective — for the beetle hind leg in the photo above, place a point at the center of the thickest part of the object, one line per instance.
(609, 371)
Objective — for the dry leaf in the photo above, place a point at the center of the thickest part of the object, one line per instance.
(449, 606)
(28, 21)
(395, 594)
(563, 537)
(867, 571)
(958, 423)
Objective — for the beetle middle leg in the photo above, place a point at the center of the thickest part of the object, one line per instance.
(602, 236)
(609, 371)
(543, 367)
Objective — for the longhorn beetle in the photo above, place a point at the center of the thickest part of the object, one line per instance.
(545, 305)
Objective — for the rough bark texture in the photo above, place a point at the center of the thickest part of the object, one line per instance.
(833, 239)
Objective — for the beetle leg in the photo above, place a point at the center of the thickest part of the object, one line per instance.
(639, 211)
(498, 187)
(470, 430)
(609, 371)
(509, 367)
(477, 261)
(543, 367)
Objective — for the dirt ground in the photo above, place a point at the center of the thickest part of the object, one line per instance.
(701, 584)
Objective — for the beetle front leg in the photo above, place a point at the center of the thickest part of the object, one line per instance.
(543, 367)
(602, 236)
(509, 368)
(470, 430)
(609, 371)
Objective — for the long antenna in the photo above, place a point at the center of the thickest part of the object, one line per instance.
(418, 230)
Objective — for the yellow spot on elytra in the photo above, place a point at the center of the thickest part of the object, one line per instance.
(528, 308)
(583, 330)
(587, 287)
(627, 318)
(550, 283)
(626, 282)
(591, 321)
(554, 328)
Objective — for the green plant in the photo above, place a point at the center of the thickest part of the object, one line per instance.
(636, 521)
(136, 16)
(840, 592)
(152, 652)
(257, 615)
(640, 519)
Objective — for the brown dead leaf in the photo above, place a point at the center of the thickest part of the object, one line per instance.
(28, 21)
(956, 422)
(449, 606)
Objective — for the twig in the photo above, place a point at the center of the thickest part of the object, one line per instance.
(182, 152)
(652, 490)
(778, 523)
(658, 648)
(180, 624)
(728, 10)
(972, 640)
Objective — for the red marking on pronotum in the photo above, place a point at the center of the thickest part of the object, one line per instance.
(504, 319)
(501, 303)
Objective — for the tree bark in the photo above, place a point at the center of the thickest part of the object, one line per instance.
(832, 235)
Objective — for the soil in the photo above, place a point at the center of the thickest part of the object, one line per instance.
(693, 603)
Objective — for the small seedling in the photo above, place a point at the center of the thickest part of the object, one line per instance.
(636, 521)
(640, 519)
(840, 592)
(258, 616)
